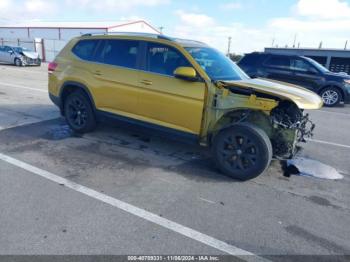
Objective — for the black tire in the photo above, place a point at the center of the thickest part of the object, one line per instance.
(242, 151)
(79, 112)
(18, 62)
(331, 96)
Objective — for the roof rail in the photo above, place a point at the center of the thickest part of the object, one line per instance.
(159, 36)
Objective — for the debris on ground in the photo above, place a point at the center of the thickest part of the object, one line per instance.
(312, 168)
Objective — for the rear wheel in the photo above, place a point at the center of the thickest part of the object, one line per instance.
(331, 96)
(79, 112)
(243, 151)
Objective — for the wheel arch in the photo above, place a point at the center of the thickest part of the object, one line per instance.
(254, 117)
(70, 87)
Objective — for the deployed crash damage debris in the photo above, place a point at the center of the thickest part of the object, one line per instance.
(312, 168)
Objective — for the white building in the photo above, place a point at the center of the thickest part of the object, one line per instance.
(48, 38)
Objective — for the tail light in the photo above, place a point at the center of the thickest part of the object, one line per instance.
(52, 67)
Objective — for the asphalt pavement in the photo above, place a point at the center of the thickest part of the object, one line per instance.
(153, 195)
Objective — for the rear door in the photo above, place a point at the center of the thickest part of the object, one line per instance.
(164, 99)
(277, 67)
(117, 76)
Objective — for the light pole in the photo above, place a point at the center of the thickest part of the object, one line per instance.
(229, 46)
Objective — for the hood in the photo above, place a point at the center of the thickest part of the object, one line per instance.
(339, 75)
(303, 98)
(32, 55)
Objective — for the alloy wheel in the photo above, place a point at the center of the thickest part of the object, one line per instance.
(77, 114)
(330, 97)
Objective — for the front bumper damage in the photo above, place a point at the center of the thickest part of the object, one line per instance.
(30, 61)
(291, 127)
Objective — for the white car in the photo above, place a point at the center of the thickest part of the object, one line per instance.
(19, 56)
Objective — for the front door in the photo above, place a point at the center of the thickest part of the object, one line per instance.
(166, 100)
(305, 74)
(6, 56)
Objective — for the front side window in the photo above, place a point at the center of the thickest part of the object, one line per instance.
(301, 65)
(120, 53)
(84, 49)
(216, 65)
(7, 48)
(163, 59)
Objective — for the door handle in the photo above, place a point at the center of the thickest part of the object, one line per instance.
(146, 82)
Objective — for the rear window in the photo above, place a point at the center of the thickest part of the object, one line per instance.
(278, 61)
(84, 49)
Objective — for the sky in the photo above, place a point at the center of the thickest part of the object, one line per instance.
(252, 24)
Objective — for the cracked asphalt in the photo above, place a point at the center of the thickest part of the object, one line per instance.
(271, 215)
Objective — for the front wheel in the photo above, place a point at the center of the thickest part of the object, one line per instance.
(242, 151)
(18, 62)
(79, 112)
(331, 96)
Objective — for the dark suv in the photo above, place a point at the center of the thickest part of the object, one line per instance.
(299, 70)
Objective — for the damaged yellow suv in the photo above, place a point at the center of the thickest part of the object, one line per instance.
(185, 88)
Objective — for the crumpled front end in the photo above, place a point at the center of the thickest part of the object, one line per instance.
(291, 126)
(282, 120)
(30, 58)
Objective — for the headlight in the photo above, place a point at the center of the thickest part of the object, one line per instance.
(347, 81)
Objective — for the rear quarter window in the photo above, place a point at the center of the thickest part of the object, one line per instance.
(249, 60)
(85, 49)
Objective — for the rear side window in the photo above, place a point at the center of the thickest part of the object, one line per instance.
(278, 61)
(163, 59)
(249, 60)
(84, 49)
(119, 53)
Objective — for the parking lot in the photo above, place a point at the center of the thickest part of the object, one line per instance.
(121, 191)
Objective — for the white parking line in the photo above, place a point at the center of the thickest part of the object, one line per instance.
(332, 112)
(24, 87)
(328, 143)
(21, 69)
(151, 217)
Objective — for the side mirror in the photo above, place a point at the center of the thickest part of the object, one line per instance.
(10, 51)
(186, 73)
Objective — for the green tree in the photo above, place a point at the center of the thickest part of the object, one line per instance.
(235, 57)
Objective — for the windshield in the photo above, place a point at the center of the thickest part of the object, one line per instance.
(317, 65)
(20, 49)
(216, 64)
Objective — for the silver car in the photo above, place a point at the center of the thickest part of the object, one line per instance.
(19, 56)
